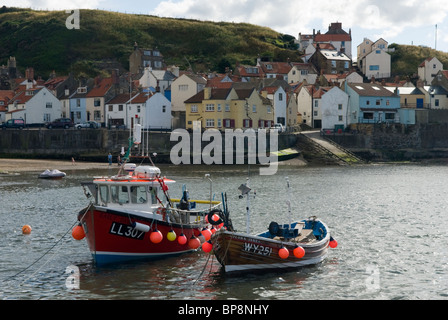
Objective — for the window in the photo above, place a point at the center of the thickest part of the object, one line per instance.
(97, 102)
(229, 123)
(378, 102)
(389, 116)
(340, 106)
(183, 87)
(280, 97)
(346, 65)
(194, 108)
(269, 109)
(78, 103)
(138, 108)
(104, 194)
(49, 105)
(119, 194)
(377, 51)
(111, 107)
(368, 102)
(120, 107)
(163, 109)
(157, 64)
(210, 123)
(209, 107)
(47, 117)
(227, 108)
(374, 68)
(247, 123)
(218, 108)
(333, 63)
(97, 115)
(436, 102)
(315, 113)
(254, 108)
(138, 194)
(147, 53)
(387, 103)
(219, 123)
(340, 118)
(368, 115)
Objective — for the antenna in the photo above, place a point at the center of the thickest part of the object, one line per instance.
(435, 47)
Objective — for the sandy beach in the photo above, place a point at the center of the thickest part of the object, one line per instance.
(31, 165)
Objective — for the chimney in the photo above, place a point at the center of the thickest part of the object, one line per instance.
(29, 74)
(207, 93)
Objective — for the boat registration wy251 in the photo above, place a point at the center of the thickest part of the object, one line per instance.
(126, 230)
(257, 249)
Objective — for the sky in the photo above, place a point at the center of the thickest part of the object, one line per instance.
(398, 21)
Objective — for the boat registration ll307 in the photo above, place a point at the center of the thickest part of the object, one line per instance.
(125, 230)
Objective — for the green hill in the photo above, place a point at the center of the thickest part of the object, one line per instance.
(406, 58)
(41, 40)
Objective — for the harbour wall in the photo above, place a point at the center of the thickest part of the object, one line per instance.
(395, 142)
(95, 145)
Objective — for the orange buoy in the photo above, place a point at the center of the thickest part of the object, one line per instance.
(156, 236)
(299, 252)
(26, 229)
(283, 253)
(206, 233)
(194, 242)
(207, 246)
(78, 233)
(333, 243)
(182, 239)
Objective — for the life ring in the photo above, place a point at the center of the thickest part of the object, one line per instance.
(219, 213)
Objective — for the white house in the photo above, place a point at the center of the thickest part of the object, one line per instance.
(428, 69)
(279, 99)
(154, 79)
(152, 110)
(334, 107)
(374, 59)
(36, 105)
(302, 72)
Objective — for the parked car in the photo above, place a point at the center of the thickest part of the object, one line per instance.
(13, 124)
(88, 124)
(60, 123)
(279, 127)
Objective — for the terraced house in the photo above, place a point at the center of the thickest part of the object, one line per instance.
(229, 109)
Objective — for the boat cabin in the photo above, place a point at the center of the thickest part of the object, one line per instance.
(138, 189)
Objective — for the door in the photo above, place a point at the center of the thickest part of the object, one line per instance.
(419, 103)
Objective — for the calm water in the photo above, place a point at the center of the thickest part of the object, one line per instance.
(390, 222)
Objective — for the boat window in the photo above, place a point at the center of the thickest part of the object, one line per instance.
(119, 194)
(104, 194)
(153, 192)
(138, 194)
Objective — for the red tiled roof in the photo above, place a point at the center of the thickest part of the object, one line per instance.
(332, 37)
(101, 89)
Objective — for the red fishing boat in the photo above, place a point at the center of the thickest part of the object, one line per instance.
(131, 216)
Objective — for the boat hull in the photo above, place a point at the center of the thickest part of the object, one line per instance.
(239, 252)
(112, 238)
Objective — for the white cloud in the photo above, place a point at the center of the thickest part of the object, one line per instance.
(294, 16)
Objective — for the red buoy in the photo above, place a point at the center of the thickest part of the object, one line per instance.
(182, 239)
(194, 242)
(207, 246)
(78, 233)
(156, 236)
(283, 253)
(298, 252)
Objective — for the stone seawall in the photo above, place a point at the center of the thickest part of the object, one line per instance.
(93, 145)
(386, 142)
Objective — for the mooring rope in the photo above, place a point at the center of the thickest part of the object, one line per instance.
(45, 253)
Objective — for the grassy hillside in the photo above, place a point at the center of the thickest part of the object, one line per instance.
(40, 39)
(406, 59)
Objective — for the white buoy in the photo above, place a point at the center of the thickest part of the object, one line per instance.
(140, 226)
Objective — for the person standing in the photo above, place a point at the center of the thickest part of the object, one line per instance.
(109, 157)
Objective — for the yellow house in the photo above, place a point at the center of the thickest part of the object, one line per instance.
(229, 108)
